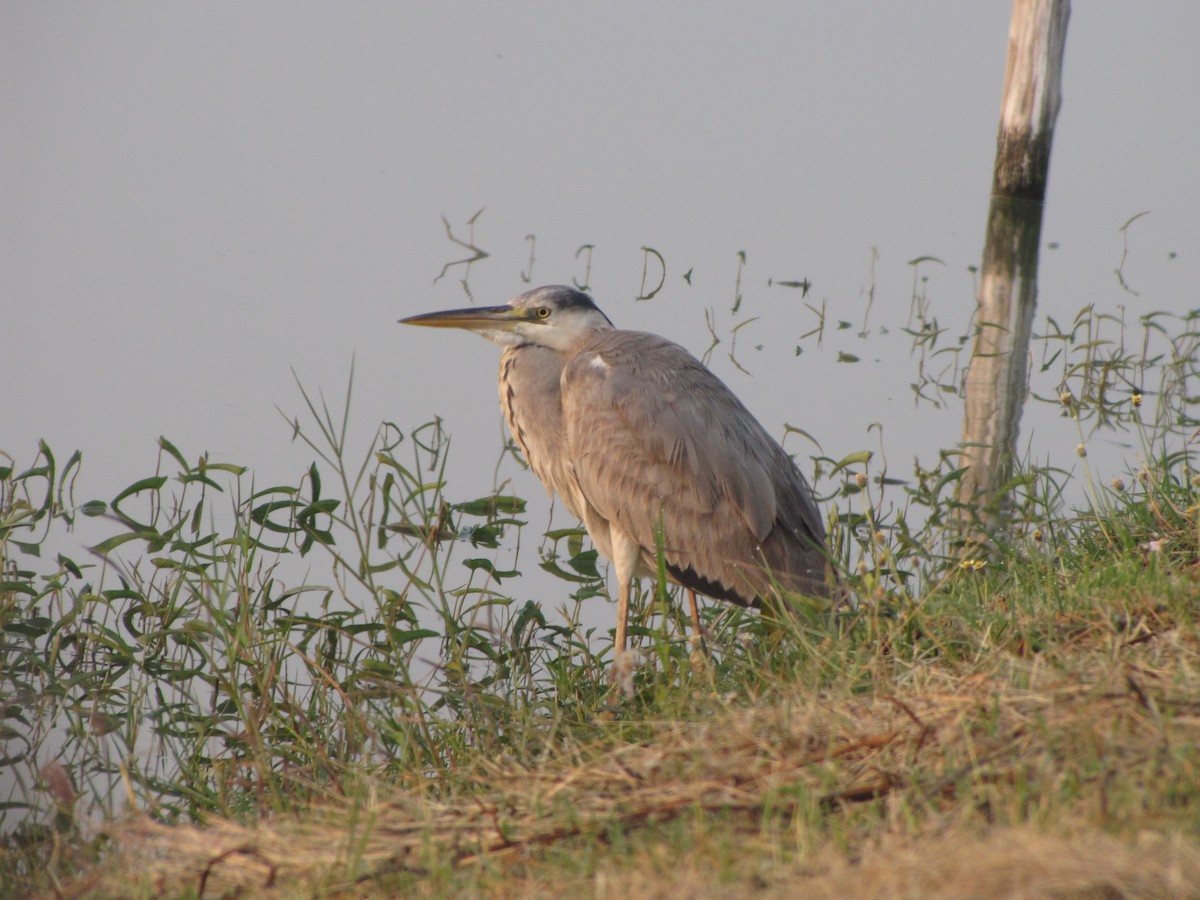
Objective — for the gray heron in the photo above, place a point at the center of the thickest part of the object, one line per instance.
(651, 451)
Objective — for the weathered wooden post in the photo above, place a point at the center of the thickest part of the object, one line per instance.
(1037, 38)
(997, 376)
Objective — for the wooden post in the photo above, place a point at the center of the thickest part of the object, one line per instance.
(996, 379)
(1037, 38)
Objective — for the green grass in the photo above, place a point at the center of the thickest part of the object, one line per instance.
(184, 714)
(1061, 724)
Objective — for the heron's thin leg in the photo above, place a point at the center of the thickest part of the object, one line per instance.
(620, 673)
(696, 620)
(622, 617)
(625, 554)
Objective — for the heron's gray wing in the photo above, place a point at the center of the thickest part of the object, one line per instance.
(656, 438)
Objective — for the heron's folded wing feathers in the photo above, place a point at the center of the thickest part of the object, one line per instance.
(655, 437)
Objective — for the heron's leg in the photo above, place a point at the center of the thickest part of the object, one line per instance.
(625, 555)
(622, 616)
(620, 673)
(696, 627)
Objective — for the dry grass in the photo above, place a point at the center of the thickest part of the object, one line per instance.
(1026, 779)
(1020, 862)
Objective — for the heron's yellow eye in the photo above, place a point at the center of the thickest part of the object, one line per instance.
(543, 312)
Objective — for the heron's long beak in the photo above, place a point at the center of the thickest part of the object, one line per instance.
(475, 318)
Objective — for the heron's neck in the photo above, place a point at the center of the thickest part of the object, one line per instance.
(571, 345)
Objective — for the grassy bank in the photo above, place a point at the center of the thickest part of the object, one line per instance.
(1030, 725)
(1050, 747)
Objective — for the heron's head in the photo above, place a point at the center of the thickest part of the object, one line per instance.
(554, 316)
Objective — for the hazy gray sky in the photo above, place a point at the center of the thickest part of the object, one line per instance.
(197, 197)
